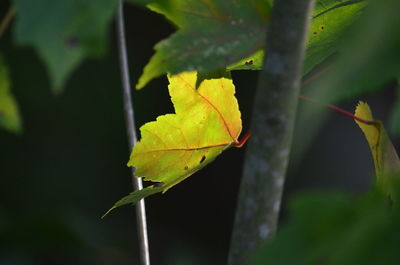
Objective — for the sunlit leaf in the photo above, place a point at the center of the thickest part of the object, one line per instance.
(207, 122)
(386, 160)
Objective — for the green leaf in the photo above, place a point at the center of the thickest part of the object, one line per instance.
(330, 20)
(369, 55)
(135, 196)
(63, 32)
(212, 35)
(9, 114)
(386, 160)
(207, 122)
(217, 34)
(253, 62)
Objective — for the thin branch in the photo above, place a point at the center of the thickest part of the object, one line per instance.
(273, 117)
(132, 138)
(6, 20)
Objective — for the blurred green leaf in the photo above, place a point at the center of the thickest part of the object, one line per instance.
(369, 57)
(335, 229)
(63, 32)
(9, 114)
(218, 34)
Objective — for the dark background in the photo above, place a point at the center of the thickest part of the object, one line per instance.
(68, 166)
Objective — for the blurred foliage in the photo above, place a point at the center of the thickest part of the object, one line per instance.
(331, 19)
(218, 34)
(368, 58)
(367, 61)
(9, 114)
(325, 229)
(212, 35)
(64, 32)
(336, 229)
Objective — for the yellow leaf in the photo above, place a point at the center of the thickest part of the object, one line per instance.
(386, 160)
(207, 121)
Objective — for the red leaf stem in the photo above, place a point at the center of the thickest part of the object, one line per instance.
(338, 110)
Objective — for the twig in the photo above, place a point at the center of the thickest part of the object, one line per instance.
(273, 117)
(132, 138)
(6, 20)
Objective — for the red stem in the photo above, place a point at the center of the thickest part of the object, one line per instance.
(338, 110)
(332, 107)
(243, 140)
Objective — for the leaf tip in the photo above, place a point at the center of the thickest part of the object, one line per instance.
(104, 215)
(139, 85)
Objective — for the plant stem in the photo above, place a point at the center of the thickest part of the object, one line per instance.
(273, 117)
(132, 138)
(338, 110)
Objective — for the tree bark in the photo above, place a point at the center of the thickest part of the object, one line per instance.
(274, 111)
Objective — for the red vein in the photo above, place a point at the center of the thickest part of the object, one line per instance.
(213, 106)
(154, 161)
(211, 8)
(332, 107)
(187, 160)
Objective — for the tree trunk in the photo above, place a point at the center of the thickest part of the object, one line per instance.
(273, 117)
